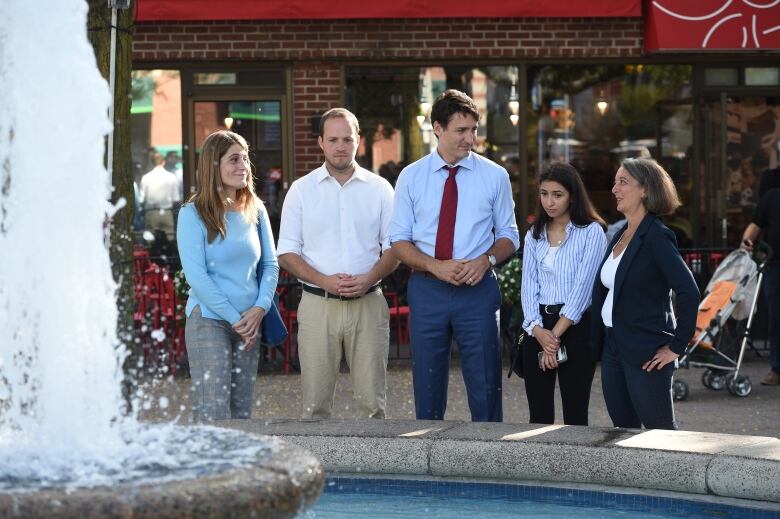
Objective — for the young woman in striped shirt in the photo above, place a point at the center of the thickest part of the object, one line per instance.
(561, 255)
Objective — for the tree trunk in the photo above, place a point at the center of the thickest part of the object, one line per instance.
(121, 248)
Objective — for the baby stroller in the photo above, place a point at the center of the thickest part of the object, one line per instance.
(721, 339)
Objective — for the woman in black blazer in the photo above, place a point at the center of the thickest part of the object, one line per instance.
(637, 338)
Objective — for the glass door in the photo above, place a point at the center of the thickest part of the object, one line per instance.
(712, 172)
(261, 123)
(739, 141)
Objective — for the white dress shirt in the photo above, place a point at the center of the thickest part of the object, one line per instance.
(159, 189)
(335, 228)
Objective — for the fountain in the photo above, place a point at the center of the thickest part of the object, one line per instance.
(66, 450)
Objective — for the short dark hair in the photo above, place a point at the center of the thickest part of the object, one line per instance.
(581, 210)
(333, 113)
(451, 102)
(661, 196)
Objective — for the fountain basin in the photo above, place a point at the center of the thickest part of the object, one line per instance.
(279, 484)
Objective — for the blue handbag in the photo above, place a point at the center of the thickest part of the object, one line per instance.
(273, 330)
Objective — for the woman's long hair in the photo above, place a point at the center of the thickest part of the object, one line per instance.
(210, 199)
(581, 210)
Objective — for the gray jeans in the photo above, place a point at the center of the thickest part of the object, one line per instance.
(223, 372)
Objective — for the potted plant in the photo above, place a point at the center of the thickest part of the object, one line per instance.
(509, 280)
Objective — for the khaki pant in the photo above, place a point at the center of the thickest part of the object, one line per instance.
(161, 219)
(360, 329)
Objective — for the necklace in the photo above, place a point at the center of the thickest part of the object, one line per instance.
(556, 243)
(625, 238)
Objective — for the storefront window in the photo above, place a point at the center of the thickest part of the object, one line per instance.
(595, 116)
(156, 149)
(737, 150)
(260, 123)
(393, 103)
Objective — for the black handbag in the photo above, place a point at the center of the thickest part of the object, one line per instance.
(516, 357)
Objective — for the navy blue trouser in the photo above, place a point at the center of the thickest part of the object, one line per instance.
(439, 310)
(635, 397)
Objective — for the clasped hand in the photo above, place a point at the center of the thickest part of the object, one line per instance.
(249, 325)
(460, 272)
(550, 344)
(347, 285)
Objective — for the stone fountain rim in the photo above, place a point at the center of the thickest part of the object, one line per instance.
(280, 483)
(725, 465)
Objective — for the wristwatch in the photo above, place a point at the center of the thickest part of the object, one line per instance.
(491, 259)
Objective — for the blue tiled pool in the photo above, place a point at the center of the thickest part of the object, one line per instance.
(408, 498)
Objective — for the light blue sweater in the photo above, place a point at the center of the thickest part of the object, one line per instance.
(227, 276)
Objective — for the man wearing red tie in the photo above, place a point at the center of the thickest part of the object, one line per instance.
(453, 220)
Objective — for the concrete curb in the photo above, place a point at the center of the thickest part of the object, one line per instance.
(726, 465)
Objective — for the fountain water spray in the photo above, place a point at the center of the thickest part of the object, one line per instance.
(60, 361)
(62, 433)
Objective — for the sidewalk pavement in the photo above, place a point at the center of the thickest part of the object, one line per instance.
(279, 396)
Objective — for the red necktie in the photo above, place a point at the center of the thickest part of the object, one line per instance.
(445, 234)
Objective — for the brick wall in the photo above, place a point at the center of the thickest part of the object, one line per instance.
(315, 89)
(316, 49)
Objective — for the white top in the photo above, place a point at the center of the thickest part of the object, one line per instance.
(159, 189)
(608, 280)
(334, 228)
(549, 259)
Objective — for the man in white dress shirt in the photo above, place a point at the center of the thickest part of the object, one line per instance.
(334, 238)
(159, 191)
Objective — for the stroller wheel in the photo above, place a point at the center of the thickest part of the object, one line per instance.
(706, 378)
(739, 386)
(679, 390)
(717, 381)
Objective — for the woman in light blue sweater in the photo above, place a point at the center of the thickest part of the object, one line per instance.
(228, 255)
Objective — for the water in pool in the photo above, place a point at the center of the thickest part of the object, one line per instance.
(399, 499)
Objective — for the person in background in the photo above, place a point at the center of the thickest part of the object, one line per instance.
(638, 338)
(561, 254)
(766, 217)
(159, 192)
(173, 165)
(227, 253)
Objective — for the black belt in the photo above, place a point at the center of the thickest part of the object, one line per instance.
(551, 309)
(317, 291)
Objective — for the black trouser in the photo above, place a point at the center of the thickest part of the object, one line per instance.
(575, 375)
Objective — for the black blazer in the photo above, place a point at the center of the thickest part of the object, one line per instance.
(642, 315)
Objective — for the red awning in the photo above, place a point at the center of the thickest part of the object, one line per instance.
(184, 10)
(705, 25)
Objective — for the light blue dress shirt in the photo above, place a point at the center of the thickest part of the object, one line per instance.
(227, 276)
(485, 205)
(570, 281)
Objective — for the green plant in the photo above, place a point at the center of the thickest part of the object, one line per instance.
(509, 278)
(181, 288)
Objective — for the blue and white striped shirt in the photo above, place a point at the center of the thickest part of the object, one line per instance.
(570, 282)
